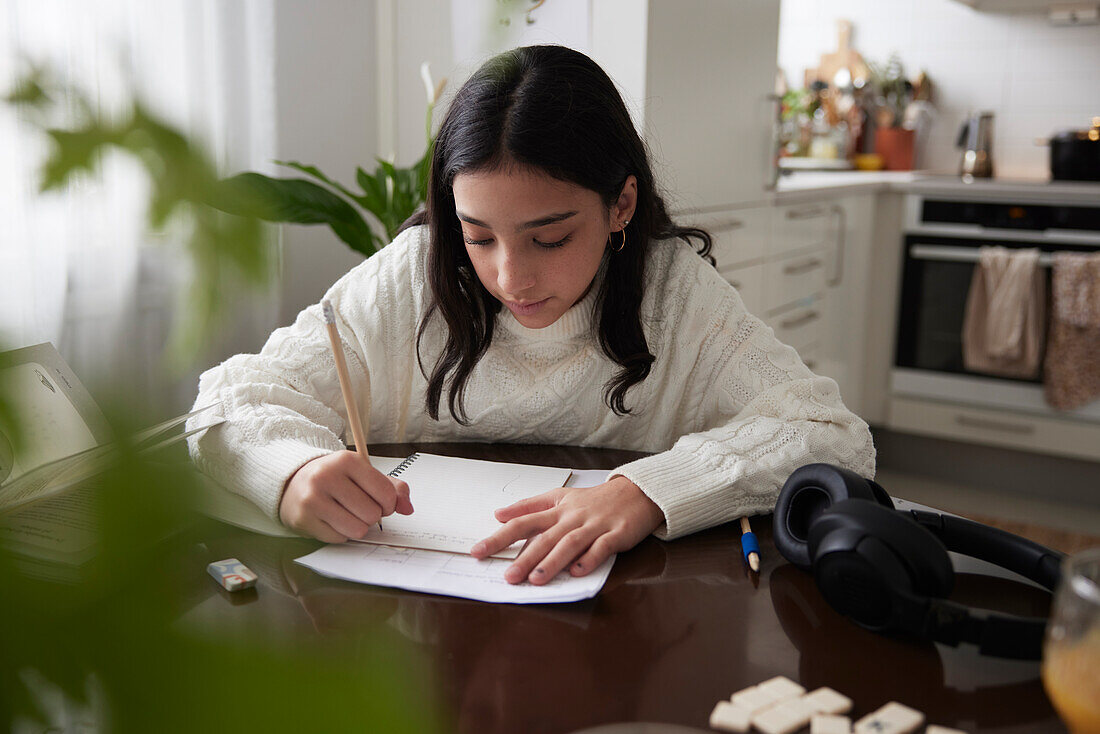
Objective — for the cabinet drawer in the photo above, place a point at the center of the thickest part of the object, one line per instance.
(799, 327)
(793, 279)
(749, 282)
(996, 427)
(811, 357)
(738, 236)
(802, 226)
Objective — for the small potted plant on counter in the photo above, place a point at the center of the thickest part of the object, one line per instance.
(897, 112)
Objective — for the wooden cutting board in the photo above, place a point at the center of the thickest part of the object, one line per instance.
(845, 57)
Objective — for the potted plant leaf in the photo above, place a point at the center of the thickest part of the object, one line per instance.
(390, 194)
(893, 97)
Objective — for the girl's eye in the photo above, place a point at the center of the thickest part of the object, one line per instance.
(469, 241)
(559, 243)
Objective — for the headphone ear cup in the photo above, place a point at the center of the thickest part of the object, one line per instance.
(867, 557)
(809, 491)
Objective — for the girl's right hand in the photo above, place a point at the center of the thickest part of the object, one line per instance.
(340, 496)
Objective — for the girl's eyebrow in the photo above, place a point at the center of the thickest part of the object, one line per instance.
(533, 224)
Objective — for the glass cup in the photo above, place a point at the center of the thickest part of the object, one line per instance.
(1071, 652)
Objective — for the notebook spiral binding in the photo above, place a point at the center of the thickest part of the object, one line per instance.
(397, 470)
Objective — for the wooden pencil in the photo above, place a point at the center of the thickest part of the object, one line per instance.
(357, 433)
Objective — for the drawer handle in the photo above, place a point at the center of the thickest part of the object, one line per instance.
(816, 211)
(799, 321)
(803, 267)
(1021, 428)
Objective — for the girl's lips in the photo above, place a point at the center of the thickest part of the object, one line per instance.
(525, 309)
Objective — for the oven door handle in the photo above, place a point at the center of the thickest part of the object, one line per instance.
(949, 253)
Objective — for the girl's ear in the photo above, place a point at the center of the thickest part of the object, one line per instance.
(623, 210)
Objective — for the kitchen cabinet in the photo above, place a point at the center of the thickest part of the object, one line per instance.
(803, 269)
(1014, 6)
(699, 76)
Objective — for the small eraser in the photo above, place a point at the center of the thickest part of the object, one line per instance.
(753, 699)
(782, 687)
(827, 701)
(783, 717)
(232, 574)
(893, 718)
(830, 724)
(729, 717)
(937, 729)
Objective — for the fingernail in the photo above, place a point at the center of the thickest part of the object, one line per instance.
(478, 549)
(513, 574)
(540, 571)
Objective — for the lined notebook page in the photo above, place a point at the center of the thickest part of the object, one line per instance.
(454, 500)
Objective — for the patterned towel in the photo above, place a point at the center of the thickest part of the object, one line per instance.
(1072, 368)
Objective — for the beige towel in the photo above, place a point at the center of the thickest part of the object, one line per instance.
(1072, 369)
(1005, 314)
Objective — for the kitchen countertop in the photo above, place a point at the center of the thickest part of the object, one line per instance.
(807, 187)
(810, 185)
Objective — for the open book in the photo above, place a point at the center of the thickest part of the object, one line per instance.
(65, 441)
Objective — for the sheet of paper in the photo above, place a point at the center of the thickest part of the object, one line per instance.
(453, 574)
(162, 429)
(450, 574)
(454, 501)
(61, 529)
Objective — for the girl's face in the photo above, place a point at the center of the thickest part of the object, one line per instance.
(536, 242)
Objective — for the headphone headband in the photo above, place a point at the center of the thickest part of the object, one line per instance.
(1019, 555)
(1000, 635)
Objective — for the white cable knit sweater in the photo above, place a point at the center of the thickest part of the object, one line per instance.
(728, 410)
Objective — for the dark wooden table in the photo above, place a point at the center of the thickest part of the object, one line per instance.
(678, 626)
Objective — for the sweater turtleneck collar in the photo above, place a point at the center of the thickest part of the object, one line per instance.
(577, 321)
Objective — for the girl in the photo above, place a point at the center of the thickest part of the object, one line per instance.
(543, 296)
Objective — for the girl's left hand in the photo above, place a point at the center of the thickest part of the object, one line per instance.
(576, 527)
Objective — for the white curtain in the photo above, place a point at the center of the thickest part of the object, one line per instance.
(78, 268)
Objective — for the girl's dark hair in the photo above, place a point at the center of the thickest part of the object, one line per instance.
(553, 109)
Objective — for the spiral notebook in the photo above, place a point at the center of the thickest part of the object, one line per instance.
(454, 500)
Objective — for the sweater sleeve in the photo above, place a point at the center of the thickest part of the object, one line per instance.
(757, 414)
(283, 407)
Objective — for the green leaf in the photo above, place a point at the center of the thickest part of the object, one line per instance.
(293, 200)
(423, 172)
(74, 151)
(374, 193)
(317, 174)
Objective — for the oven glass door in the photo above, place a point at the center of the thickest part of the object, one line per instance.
(936, 278)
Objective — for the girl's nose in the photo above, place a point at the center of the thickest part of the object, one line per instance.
(515, 274)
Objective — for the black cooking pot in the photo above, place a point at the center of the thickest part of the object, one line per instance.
(1075, 154)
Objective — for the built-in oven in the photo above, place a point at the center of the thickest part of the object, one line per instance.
(942, 242)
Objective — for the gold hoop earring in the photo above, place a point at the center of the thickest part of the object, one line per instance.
(622, 243)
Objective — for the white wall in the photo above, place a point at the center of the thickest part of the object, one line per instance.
(422, 32)
(1036, 78)
(325, 79)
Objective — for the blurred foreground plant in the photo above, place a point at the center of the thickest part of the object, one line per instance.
(103, 638)
(390, 194)
(108, 644)
(183, 181)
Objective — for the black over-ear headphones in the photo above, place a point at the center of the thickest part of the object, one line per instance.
(888, 570)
